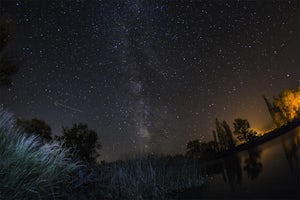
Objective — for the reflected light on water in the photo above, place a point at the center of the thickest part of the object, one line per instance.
(297, 141)
(269, 170)
(289, 143)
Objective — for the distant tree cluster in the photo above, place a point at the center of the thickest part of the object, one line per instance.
(8, 65)
(202, 150)
(83, 142)
(285, 107)
(224, 139)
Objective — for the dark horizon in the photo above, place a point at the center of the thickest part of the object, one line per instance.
(150, 76)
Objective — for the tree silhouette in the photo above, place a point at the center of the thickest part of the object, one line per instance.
(82, 141)
(8, 66)
(242, 130)
(275, 113)
(223, 136)
(37, 127)
(193, 147)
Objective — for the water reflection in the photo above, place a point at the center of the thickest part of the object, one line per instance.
(252, 164)
(232, 168)
(232, 172)
(274, 164)
(291, 147)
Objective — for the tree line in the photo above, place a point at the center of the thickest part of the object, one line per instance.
(8, 64)
(224, 139)
(82, 142)
(283, 109)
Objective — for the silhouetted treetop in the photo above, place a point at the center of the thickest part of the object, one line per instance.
(223, 136)
(37, 127)
(242, 130)
(202, 150)
(82, 141)
(8, 65)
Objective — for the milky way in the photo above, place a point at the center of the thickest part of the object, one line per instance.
(150, 75)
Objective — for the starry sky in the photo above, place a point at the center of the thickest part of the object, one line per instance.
(150, 75)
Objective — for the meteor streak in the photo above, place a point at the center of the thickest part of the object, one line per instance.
(58, 104)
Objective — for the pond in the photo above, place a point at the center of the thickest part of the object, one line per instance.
(270, 170)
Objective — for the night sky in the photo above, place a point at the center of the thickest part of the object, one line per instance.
(150, 75)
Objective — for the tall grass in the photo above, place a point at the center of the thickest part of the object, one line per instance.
(151, 177)
(30, 170)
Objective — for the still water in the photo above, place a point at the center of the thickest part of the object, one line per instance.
(270, 170)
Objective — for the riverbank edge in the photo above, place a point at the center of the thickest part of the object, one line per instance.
(262, 139)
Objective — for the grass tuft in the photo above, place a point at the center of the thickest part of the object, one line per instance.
(148, 177)
(29, 169)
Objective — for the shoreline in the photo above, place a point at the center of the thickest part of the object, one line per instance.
(260, 140)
